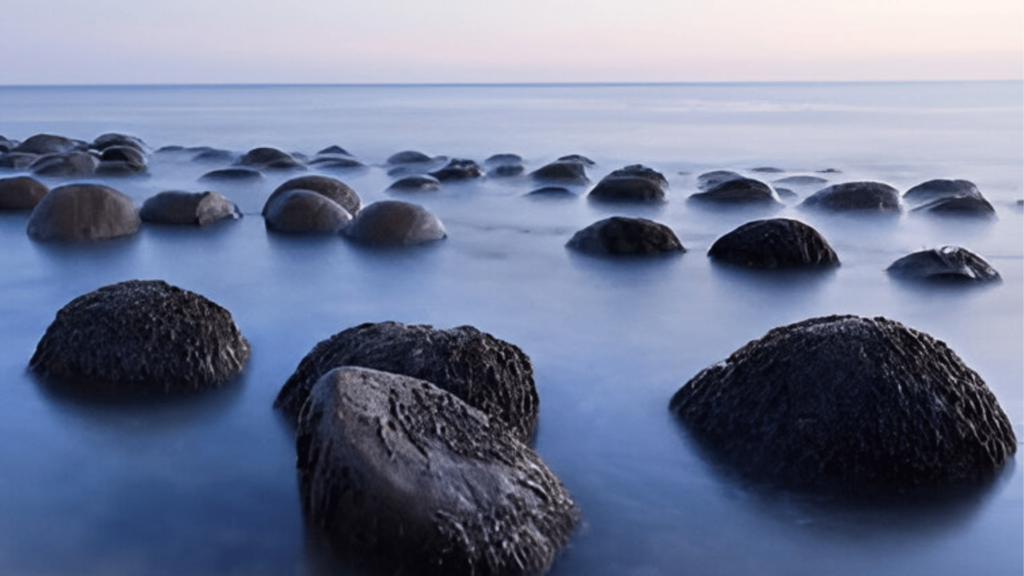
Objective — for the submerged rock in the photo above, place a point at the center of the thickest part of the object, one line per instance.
(711, 179)
(188, 208)
(622, 235)
(402, 477)
(941, 188)
(140, 338)
(267, 158)
(738, 191)
(420, 183)
(774, 243)
(395, 223)
(112, 139)
(944, 263)
(42, 144)
(555, 192)
(300, 211)
(802, 181)
(631, 184)
(966, 205)
(573, 172)
(409, 157)
(83, 212)
(330, 188)
(232, 175)
(458, 169)
(65, 165)
(122, 160)
(845, 402)
(21, 193)
(856, 196)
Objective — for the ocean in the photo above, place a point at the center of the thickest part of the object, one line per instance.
(208, 485)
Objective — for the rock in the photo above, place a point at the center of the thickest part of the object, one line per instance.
(65, 165)
(232, 175)
(43, 144)
(188, 208)
(507, 170)
(328, 187)
(140, 338)
(941, 188)
(856, 196)
(458, 169)
(17, 160)
(848, 403)
(335, 163)
(802, 181)
(395, 223)
(552, 192)
(738, 191)
(944, 263)
(571, 172)
(409, 157)
(489, 374)
(774, 243)
(333, 150)
(504, 159)
(634, 183)
(578, 158)
(6, 145)
(121, 160)
(767, 170)
(112, 139)
(301, 211)
(214, 155)
(785, 193)
(973, 206)
(420, 183)
(621, 235)
(711, 179)
(270, 159)
(21, 193)
(401, 477)
(83, 212)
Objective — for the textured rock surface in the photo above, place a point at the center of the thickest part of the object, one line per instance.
(141, 338)
(485, 372)
(774, 243)
(634, 183)
(941, 188)
(326, 186)
(711, 179)
(401, 476)
(856, 196)
(395, 223)
(21, 193)
(738, 191)
(458, 169)
(562, 171)
(420, 183)
(944, 263)
(848, 402)
(188, 208)
(622, 235)
(966, 205)
(300, 211)
(83, 212)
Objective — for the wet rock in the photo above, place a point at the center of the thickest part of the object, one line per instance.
(330, 188)
(767, 170)
(83, 212)
(944, 263)
(848, 403)
(333, 150)
(17, 160)
(65, 165)
(774, 243)
(785, 194)
(232, 175)
(458, 169)
(634, 183)
(802, 181)
(335, 163)
(21, 193)
(622, 235)
(6, 145)
(856, 196)
(941, 188)
(503, 159)
(401, 477)
(577, 158)
(267, 158)
(738, 191)
(112, 139)
(395, 223)
(489, 374)
(552, 192)
(299, 211)
(43, 144)
(971, 206)
(711, 179)
(419, 183)
(122, 160)
(409, 157)
(214, 156)
(504, 165)
(572, 172)
(507, 170)
(188, 208)
(140, 338)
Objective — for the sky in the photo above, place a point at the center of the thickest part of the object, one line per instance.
(486, 41)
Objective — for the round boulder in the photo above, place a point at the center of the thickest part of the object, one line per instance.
(622, 235)
(711, 179)
(569, 171)
(489, 374)
(458, 169)
(83, 212)
(300, 211)
(326, 186)
(232, 175)
(944, 263)
(112, 139)
(395, 223)
(121, 160)
(856, 196)
(188, 208)
(42, 144)
(774, 243)
(738, 191)
(845, 402)
(402, 477)
(409, 157)
(269, 159)
(965, 205)
(941, 188)
(418, 183)
(140, 338)
(634, 183)
(65, 165)
(21, 193)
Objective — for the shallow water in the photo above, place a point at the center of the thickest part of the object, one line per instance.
(207, 486)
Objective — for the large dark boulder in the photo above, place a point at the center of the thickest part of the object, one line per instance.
(21, 193)
(122, 160)
(487, 373)
(397, 476)
(330, 188)
(856, 196)
(848, 403)
(709, 180)
(622, 235)
(571, 171)
(634, 183)
(188, 208)
(111, 139)
(395, 223)
(65, 165)
(944, 263)
(140, 338)
(43, 144)
(301, 211)
(738, 191)
(941, 188)
(458, 169)
(83, 212)
(774, 243)
(965, 205)
(266, 158)
(409, 157)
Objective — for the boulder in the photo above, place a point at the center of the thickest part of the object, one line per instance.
(504, 165)
(209, 155)
(43, 144)
(395, 223)
(409, 157)
(112, 139)
(299, 211)
(711, 179)
(270, 159)
(570, 171)
(83, 212)
(738, 191)
(458, 169)
(140, 338)
(578, 158)
(941, 188)
(774, 243)
(856, 196)
(556, 192)
(634, 183)
(848, 403)
(21, 193)
(188, 208)
(489, 374)
(767, 170)
(122, 160)
(400, 477)
(232, 175)
(17, 160)
(503, 159)
(622, 235)
(801, 181)
(964, 205)
(65, 165)
(338, 162)
(419, 183)
(944, 263)
(334, 150)
(326, 186)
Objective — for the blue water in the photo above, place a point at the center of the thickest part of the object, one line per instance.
(208, 486)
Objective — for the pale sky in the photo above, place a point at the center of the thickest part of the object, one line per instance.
(465, 41)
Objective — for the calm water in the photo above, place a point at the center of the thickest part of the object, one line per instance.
(208, 486)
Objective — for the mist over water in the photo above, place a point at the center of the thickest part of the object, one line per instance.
(207, 485)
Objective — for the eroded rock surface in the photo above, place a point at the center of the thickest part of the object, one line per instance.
(944, 263)
(774, 243)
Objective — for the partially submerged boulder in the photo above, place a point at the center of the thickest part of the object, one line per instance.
(966, 206)
(301, 211)
(774, 243)
(634, 183)
(570, 171)
(709, 180)
(42, 144)
(83, 212)
(74, 164)
(232, 175)
(395, 223)
(623, 235)
(418, 183)
(21, 193)
(401, 477)
(140, 338)
(856, 196)
(326, 186)
(944, 263)
(738, 191)
(267, 158)
(458, 169)
(845, 402)
(487, 373)
(941, 188)
(188, 208)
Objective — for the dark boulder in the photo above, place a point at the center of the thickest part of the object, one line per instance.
(711, 179)
(17, 160)
(409, 157)
(395, 223)
(65, 165)
(335, 163)
(122, 160)
(270, 159)
(330, 188)
(944, 263)
(634, 183)
(738, 191)
(503, 159)
(941, 188)
(802, 181)
(21, 193)
(188, 208)
(489, 374)
(552, 192)
(856, 196)
(845, 402)
(209, 155)
(774, 243)
(299, 211)
(6, 145)
(333, 150)
(965, 205)
(419, 183)
(571, 172)
(232, 175)
(43, 144)
(398, 476)
(83, 212)
(622, 235)
(767, 170)
(112, 139)
(578, 158)
(458, 169)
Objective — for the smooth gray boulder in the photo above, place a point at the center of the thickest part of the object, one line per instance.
(944, 263)
(232, 175)
(266, 158)
(395, 223)
(140, 338)
(300, 211)
(73, 164)
(774, 243)
(848, 403)
(621, 235)
(965, 205)
(409, 157)
(21, 193)
(398, 476)
(569, 171)
(458, 169)
(122, 160)
(801, 180)
(941, 188)
(634, 183)
(111, 139)
(43, 144)
(856, 197)
(79, 212)
(713, 178)
(188, 208)
(489, 374)
(330, 188)
(419, 183)
(738, 191)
